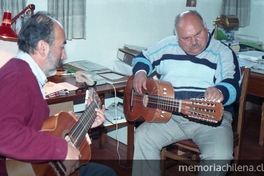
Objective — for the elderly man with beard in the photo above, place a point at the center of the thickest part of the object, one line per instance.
(23, 109)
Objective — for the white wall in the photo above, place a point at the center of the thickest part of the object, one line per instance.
(7, 51)
(256, 27)
(113, 23)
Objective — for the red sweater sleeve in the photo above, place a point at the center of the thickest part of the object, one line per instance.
(22, 113)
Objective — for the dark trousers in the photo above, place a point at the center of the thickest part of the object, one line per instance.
(94, 169)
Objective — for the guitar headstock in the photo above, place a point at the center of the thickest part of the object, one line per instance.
(210, 111)
(91, 95)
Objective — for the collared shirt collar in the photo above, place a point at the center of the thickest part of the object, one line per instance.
(41, 77)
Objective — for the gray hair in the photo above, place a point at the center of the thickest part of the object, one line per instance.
(39, 26)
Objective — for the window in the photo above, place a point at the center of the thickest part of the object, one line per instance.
(239, 8)
(13, 6)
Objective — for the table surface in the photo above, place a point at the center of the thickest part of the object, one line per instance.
(78, 96)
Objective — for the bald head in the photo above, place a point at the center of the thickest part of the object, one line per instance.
(184, 16)
(191, 32)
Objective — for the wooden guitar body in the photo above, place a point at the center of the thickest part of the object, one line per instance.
(158, 102)
(58, 125)
(135, 105)
(54, 126)
(66, 126)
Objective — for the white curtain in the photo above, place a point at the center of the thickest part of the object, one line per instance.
(72, 15)
(239, 8)
(13, 6)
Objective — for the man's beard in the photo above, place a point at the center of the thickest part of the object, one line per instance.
(52, 65)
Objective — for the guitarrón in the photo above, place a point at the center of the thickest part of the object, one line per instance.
(158, 103)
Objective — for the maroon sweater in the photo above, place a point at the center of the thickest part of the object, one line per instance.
(22, 112)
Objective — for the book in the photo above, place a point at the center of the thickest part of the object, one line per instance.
(125, 56)
(128, 52)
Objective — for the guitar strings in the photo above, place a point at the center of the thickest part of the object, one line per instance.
(81, 127)
(210, 115)
(204, 109)
(83, 124)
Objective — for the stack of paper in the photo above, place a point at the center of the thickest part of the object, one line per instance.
(253, 60)
(56, 89)
(234, 45)
(252, 55)
(86, 65)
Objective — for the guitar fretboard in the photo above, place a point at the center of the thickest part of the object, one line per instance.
(84, 123)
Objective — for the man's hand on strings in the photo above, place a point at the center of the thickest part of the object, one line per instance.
(140, 82)
(100, 117)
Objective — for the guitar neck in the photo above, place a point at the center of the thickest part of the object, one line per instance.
(210, 111)
(164, 103)
(84, 123)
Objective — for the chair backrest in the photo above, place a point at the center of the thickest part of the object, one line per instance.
(242, 102)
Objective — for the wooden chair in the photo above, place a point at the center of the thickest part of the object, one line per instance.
(187, 152)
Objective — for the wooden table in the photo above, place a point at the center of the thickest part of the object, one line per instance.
(256, 88)
(79, 97)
